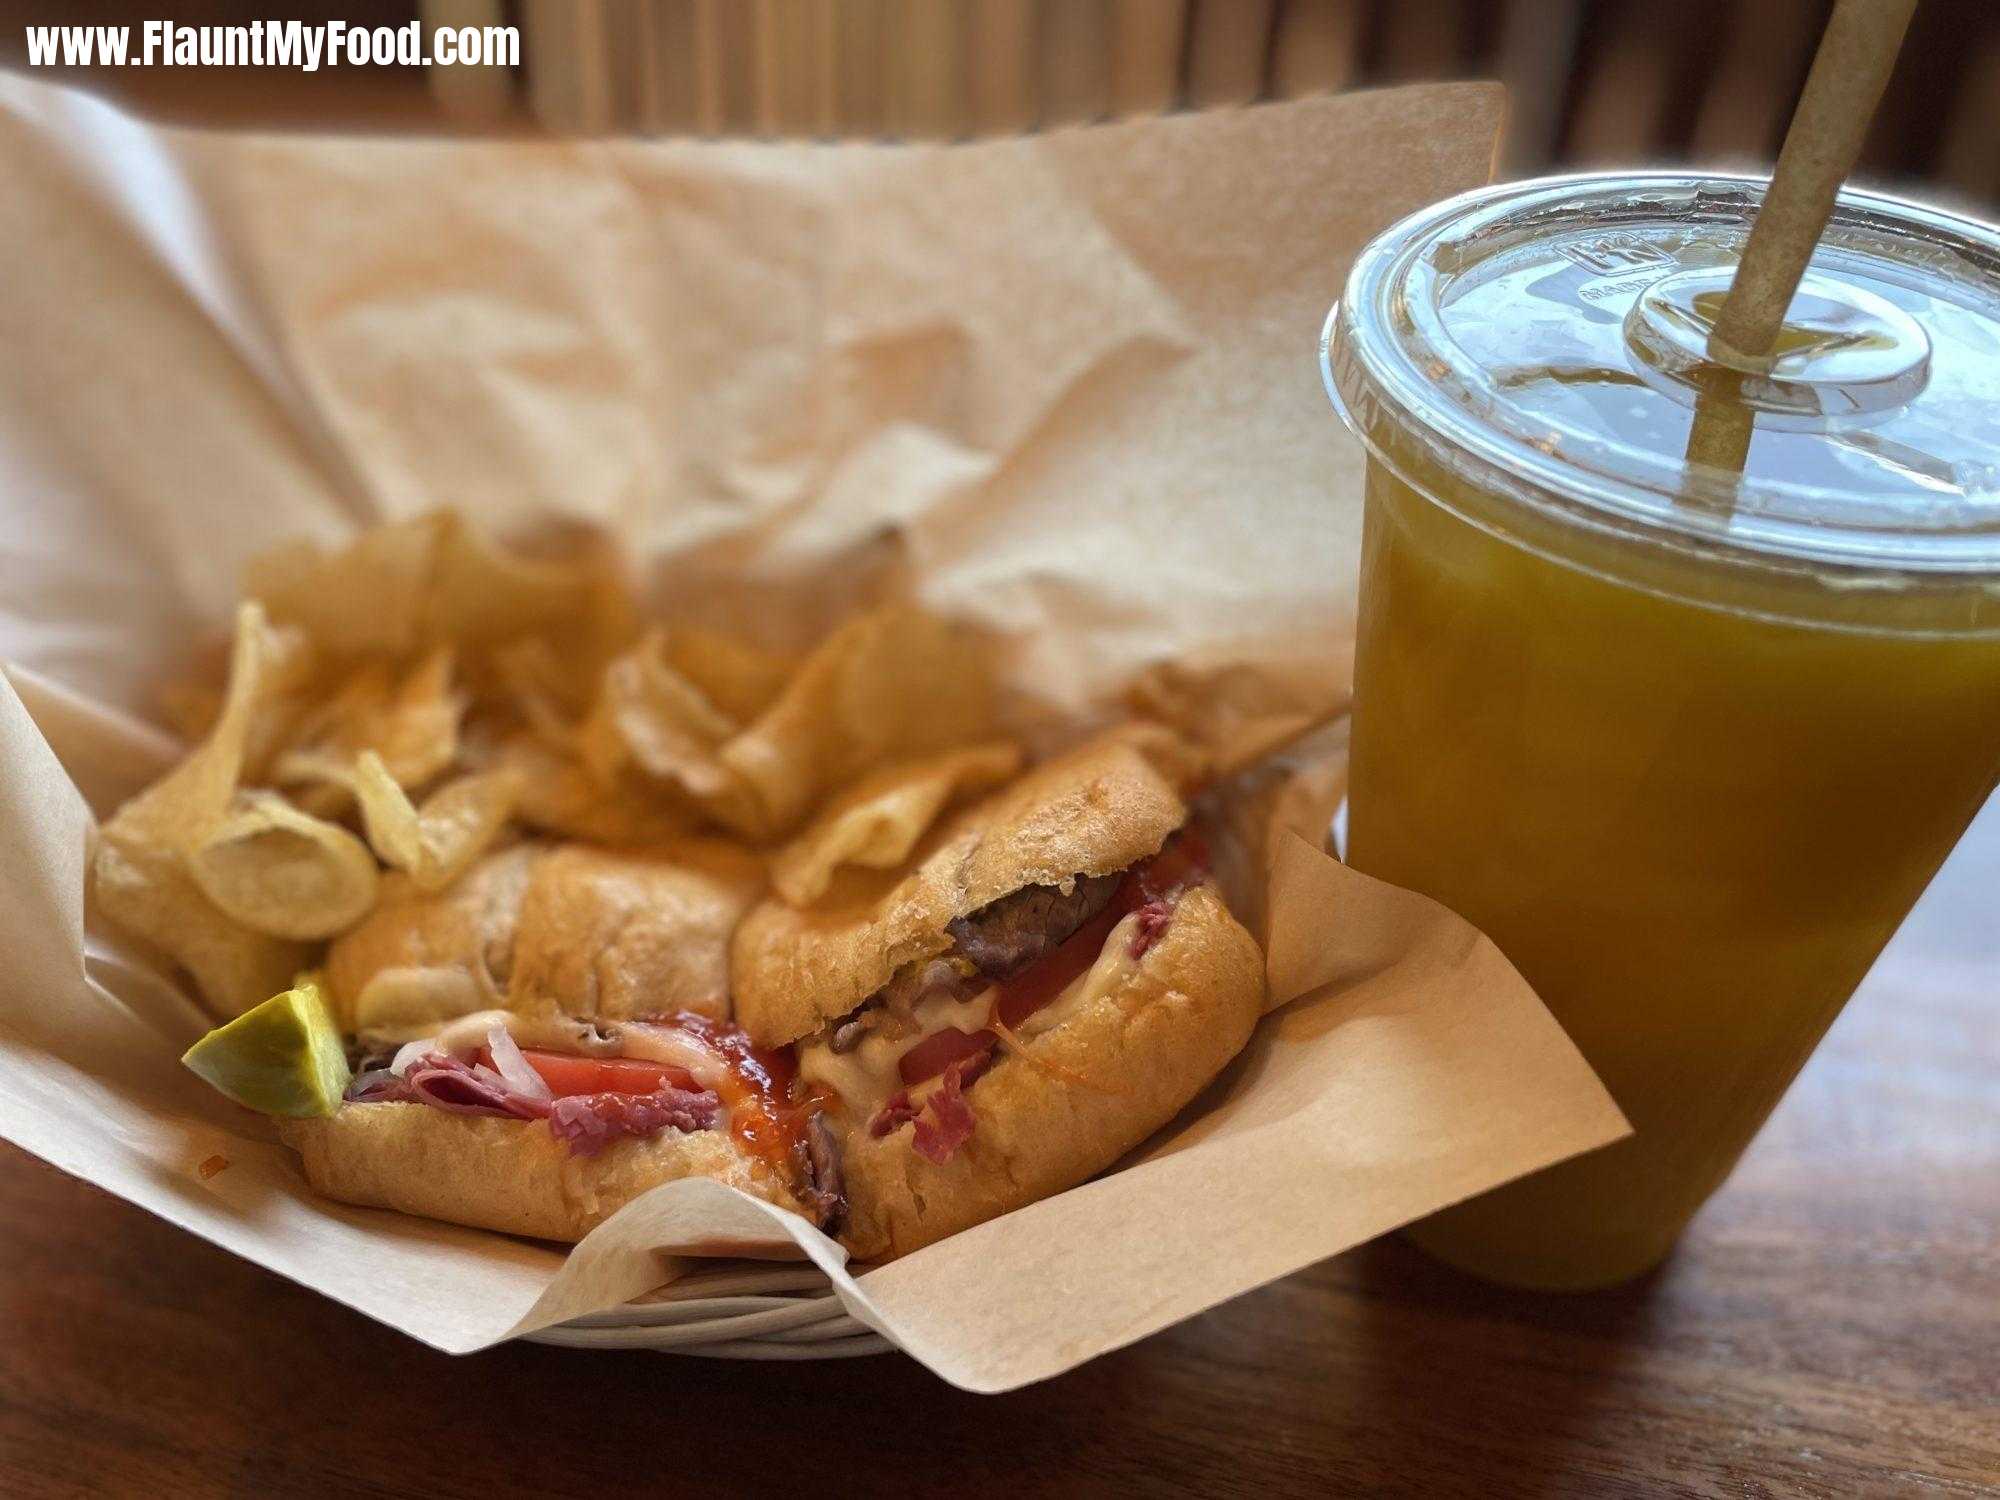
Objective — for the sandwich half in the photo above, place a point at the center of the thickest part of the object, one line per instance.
(1053, 979)
(546, 1039)
(543, 1125)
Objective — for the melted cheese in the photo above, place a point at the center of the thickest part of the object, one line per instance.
(678, 1048)
(866, 1078)
(555, 1032)
(1115, 964)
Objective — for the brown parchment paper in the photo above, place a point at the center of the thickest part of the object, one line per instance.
(1063, 387)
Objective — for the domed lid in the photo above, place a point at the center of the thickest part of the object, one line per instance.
(1547, 341)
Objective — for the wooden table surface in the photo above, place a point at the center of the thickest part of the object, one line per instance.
(1831, 1326)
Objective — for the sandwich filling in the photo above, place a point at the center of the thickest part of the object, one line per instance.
(1017, 969)
(595, 1083)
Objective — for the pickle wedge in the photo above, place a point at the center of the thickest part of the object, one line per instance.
(280, 1058)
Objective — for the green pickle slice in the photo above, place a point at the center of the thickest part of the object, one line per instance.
(283, 1057)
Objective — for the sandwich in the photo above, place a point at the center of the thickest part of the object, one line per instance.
(1053, 979)
(542, 1125)
(1049, 978)
(533, 1047)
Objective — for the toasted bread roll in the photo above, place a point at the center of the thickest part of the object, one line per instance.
(508, 1175)
(1088, 1090)
(597, 933)
(1102, 807)
(613, 935)
(457, 943)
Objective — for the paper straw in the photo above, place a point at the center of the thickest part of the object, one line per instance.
(1849, 72)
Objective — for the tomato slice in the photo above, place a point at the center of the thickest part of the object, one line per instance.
(1051, 974)
(565, 1074)
(939, 1051)
(1183, 862)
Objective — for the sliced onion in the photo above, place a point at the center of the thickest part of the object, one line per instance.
(511, 1065)
(466, 1035)
(377, 1085)
(408, 1055)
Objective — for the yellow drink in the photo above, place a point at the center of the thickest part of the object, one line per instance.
(1691, 829)
(1687, 765)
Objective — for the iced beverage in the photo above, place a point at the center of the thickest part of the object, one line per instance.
(1686, 742)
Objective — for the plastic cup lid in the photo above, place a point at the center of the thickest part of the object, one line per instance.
(1547, 342)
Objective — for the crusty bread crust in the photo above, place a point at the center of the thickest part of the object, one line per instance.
(611, 934)
(598, 933)
(469, 926)
(508, 1175)
(1101, 807)
(1151, 1044)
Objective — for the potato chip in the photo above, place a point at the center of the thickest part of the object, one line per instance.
(480, 593)
(740, 679)
(895, 682)
(284, 872)
(557, 795)
(388, 816)
(317, 782)
(651, 716)
(329, 727)
(193, 703)
(191, 707)
(877, 821)
(456, 824)
(146, 891)
(666, 723)
(411, 723)
(369, 596)
(550, 696)
(416, 733)
(174, 812)
(139, 872)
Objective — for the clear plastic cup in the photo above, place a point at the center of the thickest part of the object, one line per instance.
(1686, 742)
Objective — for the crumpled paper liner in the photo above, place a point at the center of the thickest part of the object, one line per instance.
(1062, 387)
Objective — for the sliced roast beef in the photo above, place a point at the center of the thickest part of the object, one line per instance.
(824, 1184)
(1005, 936)
(588, 1123)
(946, 1121)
